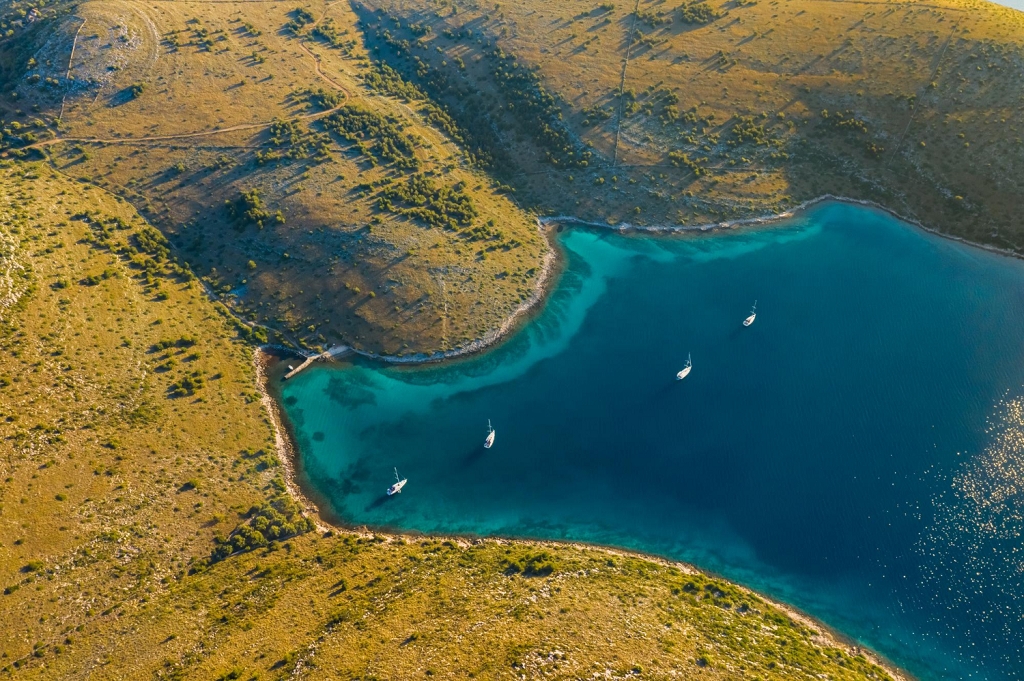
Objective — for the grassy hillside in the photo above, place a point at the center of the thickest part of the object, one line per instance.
(317, 206)
(366, 172)
(696, 112)
(145, 532)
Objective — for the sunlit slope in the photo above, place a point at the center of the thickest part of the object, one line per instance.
(130, 420)
(374, 607)
(145, 531)
(245, 131)
(707, 111)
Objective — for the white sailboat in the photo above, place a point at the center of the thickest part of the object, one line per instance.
(686, 369)
(489, 440)
(397, 487)
(753, 313)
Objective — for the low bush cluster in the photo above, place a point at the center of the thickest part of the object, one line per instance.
(329, 32)
(748, 129)
(537, 111)
(300, 19)
(293, 142)
(385, 80)
(462, 116)
(654, 19)
(595, 114)
(249, 208)
(378, 138)
(187, 385)
(697, 12)
(419, 198)
(277, 519)
(324, 100)
(181, 342)
(539, 564)
(683, 160)
(844, 120)
(153, 243)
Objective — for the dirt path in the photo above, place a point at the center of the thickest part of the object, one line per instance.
(622, 82)
(319, 72)
(316, 57)
(931, 78)
(166, 138)
(204, 133)
(71, 61)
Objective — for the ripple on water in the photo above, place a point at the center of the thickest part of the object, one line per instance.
(973, 550)
(791, 458)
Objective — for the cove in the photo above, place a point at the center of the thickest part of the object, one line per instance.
(857, 452)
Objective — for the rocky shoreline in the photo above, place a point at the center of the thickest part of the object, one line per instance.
(326, 521)
(545, 280)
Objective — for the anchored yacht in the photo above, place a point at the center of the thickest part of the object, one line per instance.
(753, 313)
(686, 369)
(489, 440)
(397, 487)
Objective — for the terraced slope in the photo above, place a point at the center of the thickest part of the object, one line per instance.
(695, 112)
(245, 132)
(145, 531)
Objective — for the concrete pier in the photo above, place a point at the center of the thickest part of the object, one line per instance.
(336, 351)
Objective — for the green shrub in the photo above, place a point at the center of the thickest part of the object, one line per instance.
(278, 519)
(329, 32)
(324, 99)
(249, 208)
(697, 12)
(185, 341)
(540, 564)
(377, 137)
(300, 19)
(438, 206)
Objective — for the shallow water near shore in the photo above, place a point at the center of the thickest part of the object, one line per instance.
(857, 452)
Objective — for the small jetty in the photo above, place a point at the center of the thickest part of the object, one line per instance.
(331, 353)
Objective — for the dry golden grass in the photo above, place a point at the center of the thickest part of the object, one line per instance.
(912, 105)
(373, 607)
(95, 451)
(113, 489)
(120, 466)
(214, 77)
(929, 92)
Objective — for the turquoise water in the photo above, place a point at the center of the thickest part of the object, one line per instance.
(854, 452)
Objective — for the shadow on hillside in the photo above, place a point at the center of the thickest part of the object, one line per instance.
(123, 96)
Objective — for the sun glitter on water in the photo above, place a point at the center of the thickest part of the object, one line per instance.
(974, 551)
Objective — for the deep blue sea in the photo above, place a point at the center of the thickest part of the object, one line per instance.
(857, 452)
